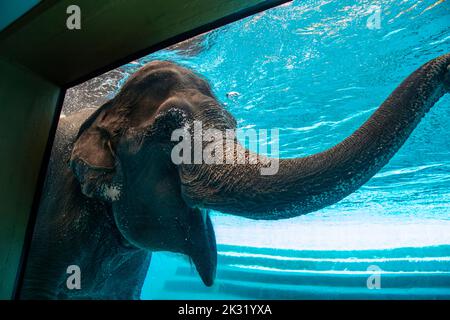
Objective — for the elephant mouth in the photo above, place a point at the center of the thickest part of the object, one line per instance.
(199, 245)
(202, 249)
(190, 233)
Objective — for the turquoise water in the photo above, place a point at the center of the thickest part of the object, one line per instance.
(316, 70)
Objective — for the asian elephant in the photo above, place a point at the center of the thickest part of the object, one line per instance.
(114, 193)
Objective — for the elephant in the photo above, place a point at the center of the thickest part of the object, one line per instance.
(113, 193)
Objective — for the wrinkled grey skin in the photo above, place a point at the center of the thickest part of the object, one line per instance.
(144, 202)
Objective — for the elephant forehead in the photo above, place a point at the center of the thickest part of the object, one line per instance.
(163, 67)
(162, 76)
(155, 64)
(156, 77)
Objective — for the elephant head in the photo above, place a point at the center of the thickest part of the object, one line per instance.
(122, 155)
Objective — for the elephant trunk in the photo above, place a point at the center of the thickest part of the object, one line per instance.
(303, 185)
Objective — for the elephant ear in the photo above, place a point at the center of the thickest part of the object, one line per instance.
(93, 158)
(202, 246)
